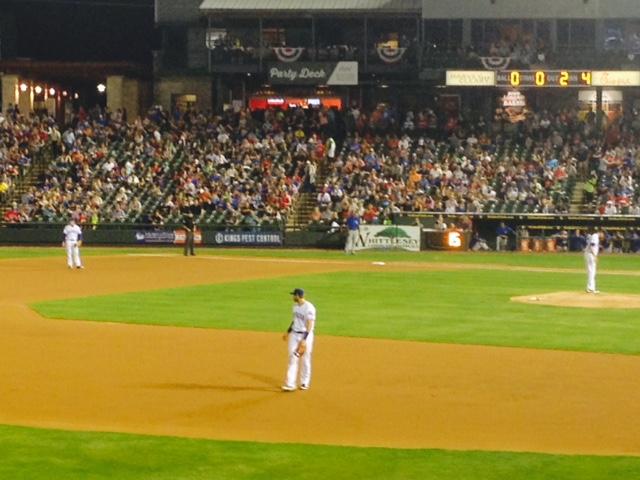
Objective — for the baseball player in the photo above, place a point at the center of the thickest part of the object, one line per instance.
(72, 240)
(353, 230)
(189, 227)
(300, 342)
(591, 259)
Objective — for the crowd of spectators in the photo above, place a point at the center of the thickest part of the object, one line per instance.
(20, 138)
(462, 164)
(247, 169)
(231, 169)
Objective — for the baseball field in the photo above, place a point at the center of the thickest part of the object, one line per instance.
(151, 365)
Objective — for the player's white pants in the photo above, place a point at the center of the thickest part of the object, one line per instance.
(352, 236)
(590, 261)
(73, 254)
(502, 241)
(304, 362)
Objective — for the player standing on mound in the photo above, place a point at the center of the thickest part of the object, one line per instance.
(300, 342)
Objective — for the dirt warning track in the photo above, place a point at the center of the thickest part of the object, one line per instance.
(224, 384)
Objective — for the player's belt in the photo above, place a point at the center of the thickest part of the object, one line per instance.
(295, 331)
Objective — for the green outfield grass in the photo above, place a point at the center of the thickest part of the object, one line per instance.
(34, 454)
(469, 307)
(547, 260)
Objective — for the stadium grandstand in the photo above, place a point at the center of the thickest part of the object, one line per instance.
(291, 115)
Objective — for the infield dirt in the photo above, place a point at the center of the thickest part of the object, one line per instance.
(224, 384)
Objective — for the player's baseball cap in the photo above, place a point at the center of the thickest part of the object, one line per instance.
(298, 291)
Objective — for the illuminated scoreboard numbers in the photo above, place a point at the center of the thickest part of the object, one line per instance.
(515, 78)
(543, 78)
(564, 78)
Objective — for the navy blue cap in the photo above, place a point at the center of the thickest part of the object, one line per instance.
(298, 291)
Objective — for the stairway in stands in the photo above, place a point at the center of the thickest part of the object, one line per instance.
(307, 201)
(30, 179)
(577, 198)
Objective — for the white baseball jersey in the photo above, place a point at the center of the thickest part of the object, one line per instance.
(302, 314)
(72, 233)
(593, 244)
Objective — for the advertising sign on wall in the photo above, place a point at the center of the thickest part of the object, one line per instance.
(232, 238)
(388, 237)
(176, 237)
(313, 73)
(470, 78)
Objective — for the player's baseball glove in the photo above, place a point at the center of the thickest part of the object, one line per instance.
(302, 347)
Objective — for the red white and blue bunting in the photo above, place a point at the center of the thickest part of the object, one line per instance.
(288, 54)
(496, 63)
(390, 54)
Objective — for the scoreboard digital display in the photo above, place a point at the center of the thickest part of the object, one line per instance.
(544, 78)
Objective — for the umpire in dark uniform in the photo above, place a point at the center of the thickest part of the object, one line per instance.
(189, 227)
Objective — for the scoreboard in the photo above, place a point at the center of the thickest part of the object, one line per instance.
(544, 78)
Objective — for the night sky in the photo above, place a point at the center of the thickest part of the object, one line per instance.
(78, 30)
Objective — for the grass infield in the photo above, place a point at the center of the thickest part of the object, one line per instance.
(36, 454)
(468, 307)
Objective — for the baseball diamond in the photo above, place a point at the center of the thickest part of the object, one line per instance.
(319, 240)
(223, 382)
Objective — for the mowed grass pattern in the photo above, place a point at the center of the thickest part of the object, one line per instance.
(468, 307)
(36, 454)
(572, 260)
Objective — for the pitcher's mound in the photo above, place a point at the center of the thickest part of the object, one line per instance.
(582, 299)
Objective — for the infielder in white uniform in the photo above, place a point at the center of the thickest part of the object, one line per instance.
(591, 260)
(299, 338)
(72, 241)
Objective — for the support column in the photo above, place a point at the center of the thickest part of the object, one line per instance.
(420, 46)
(366, 43)
(10, 91)
(599, 110)
(261, 43)
(600, 34)
(115, 94)
(313, 38)
(553, 31)
(208, 49)
(466, 32)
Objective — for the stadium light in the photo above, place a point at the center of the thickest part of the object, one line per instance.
(101, 88)
(23, 87)
(38, 89)
(64, 93)
(52, 91)
(76, 96)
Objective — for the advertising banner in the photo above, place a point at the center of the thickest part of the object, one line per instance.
(233, 238)
(155, 236)
(181, 236)
(313, 73)
(388, 237)
(175, 237)
(470, 78)
(616, 79)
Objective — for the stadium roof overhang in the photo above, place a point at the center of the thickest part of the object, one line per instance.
(312, 7)
(73, 70)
